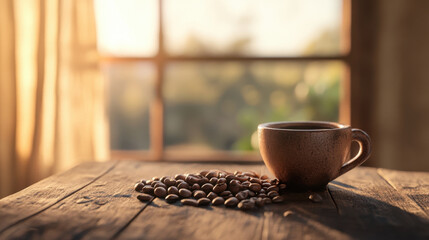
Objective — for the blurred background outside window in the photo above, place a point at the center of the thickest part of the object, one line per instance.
(194, 78)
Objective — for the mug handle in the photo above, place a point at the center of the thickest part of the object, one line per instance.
(364, 142)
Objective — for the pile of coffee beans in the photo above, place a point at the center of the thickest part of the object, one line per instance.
(245, 190)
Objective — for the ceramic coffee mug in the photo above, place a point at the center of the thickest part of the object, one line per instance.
(308, 155)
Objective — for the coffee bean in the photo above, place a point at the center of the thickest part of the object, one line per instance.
(170, 182)
(179, 176)
(246, 205)
(231, 202)
(255, 187)
(138, 187)
(316, 198)
(274, 181)
(148, 189)
(211, 174)
(162, 179)
(262, 195)
(199, 194)
(204, 201)
(255, 180)
(264, 177)
(245, 184)
(272, 194)
(212, 195)
(225, 193)
(191, 180)
(170, 198)
(267, 200)
(160, 184)
(208, 187)
(242, 195)
(234, 189)
(218, 188)
(185, 193)
(149, 182)
(189, 202)
(143, 181)
(173, 190)
(250, 174)
(222, 175)
(213, 180)
(278, 199)
(282, 186)
(160, 192)
(242, 178)
(195, 187)
(144, 197)
(229, 178)
(273, 188)
(228, 196)
(153, 183)
(203, 181)
(267, 185)
(260, 202)
(183, 185)
(262, 191)
(251, 193)
(204, 172)
(155, 179)
(221, 180)
(218, 201)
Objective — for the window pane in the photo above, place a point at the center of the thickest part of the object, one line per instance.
(217, 106)
(130, 94)
(127, 27)
(253, 27)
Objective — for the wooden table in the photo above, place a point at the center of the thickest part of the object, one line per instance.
(97, 201)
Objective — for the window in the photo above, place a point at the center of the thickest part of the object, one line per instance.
(191, 80)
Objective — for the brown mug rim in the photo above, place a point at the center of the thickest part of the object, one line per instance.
(278, 126)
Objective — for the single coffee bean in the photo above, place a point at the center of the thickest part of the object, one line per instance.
(255, 187)
(262, 191)
(274, 181)
(255, 180)
(173, 190)
(213, 180)
(273, 188)
(148, 189)
(191, 180)
(195, 187)
(160, 184)
(316, 198)
(170, 198)
(267, 200)
(160, 192)
(170, 182)
(189, 202)
(228, 196)
(183, 185)
(204, 172)
(251, 193)
(242, 195)
(149, 182)
(204, 201)
(138, 187)
(185, 193)
(272, 194)
(153, 183)
(218, 201)
(245, 184)
(231, 202)
(199, 194)
(278, 199)
(222, 175)
(203, 181)
(208, 187)
(229, 178)
(262, 195)
(225, 193)
(155, 179)
(162, 179)
(218, 188)
(221, 180)
(143, 181)
(282, 186)
(179, 176)
(144, 197)
(267, 185)
(212, 195)
(264, 177)
(246, 205)
(260, 202)
(234, 189)
(242, 178)
(211, 174)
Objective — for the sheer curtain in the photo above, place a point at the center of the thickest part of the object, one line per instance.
(52, 105)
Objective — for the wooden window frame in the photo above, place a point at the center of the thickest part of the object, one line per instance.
(156, 150)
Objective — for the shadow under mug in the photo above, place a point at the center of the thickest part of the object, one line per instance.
(308, 155)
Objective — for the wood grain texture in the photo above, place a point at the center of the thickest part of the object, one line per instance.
(48, 192)
(97, 201)
(415, 185)
(372, 209)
